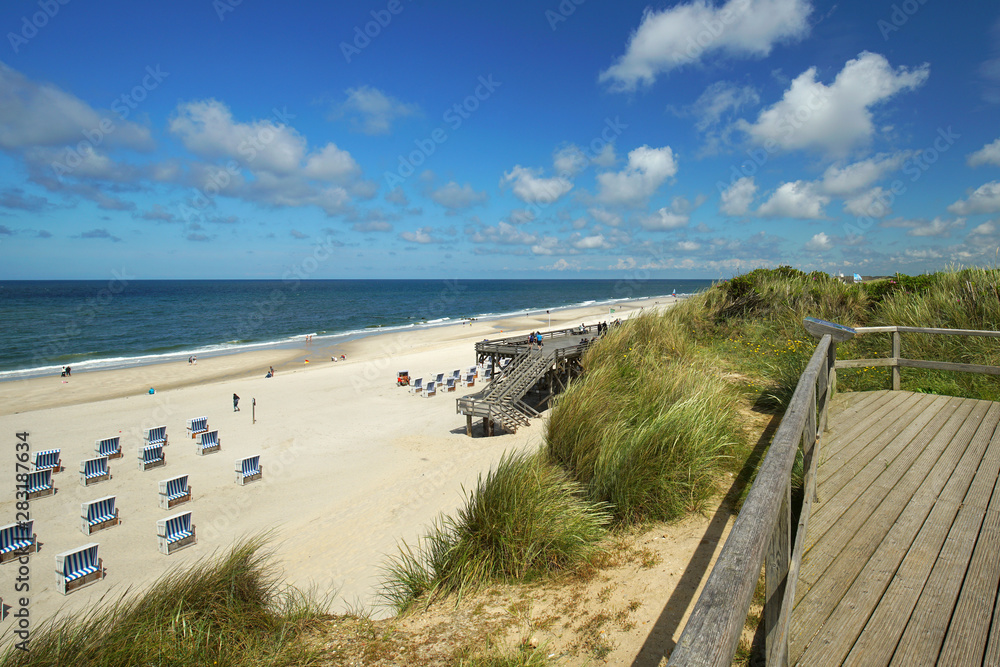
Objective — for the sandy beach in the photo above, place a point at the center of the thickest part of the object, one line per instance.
(352, 463)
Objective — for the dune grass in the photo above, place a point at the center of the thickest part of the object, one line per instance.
(525, 519)
(226, 612)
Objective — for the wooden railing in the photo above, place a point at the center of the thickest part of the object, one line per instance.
(761, 536)
(897, 362)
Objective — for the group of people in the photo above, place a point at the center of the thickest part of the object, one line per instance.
(192, 360)
(535, 338)
(66, 371)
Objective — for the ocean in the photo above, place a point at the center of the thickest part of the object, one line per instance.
(92, 325)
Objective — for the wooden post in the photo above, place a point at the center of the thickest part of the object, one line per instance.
(832, 351)
(896, 345)
(468, 425)
(775, 580)
(486, 426)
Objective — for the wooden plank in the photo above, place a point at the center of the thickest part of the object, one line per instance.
(949, 366)
(908, 565)
(928, 330)
(866, 363)
(887, 457)
(863, 429)
(853, 541)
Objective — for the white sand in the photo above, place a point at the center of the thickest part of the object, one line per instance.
(352, 463)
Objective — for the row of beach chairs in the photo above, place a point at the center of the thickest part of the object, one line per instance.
(445, 382)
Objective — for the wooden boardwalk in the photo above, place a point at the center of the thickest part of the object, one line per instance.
(902, 553)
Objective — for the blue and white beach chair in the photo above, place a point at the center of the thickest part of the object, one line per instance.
(151, 456)
(417, 386)
(470, 380)
(430, 389)
(155, 436)
(16, 540)
(49, 459)
(39, 484)
(209, 442)
(439, 379)
(94, 470)
(450, 384)
(248, 469)
(174, 491)
(110, 447)
(98, 515)
(197, 425)
(175, 532)
(78, 567)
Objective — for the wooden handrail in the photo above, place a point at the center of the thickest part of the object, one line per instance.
(897, 362)
(761, 535)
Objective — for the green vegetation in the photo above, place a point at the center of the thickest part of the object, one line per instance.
(228, 612)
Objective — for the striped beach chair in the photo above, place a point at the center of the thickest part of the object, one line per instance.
(450, 386)
(16, 540)
(110, 447)
(151, 456)
(209, 442)
(439, 379)
(430, 389)
(98, 515)
(174, 491)
(94, 470)
(248, 469)
(175, 532)
(417, 386)
(155, 436)
(49, 459)
(38, 484)
(456, 375)
(78, 567)
(470, 380)
(197, 425)
(472, 369)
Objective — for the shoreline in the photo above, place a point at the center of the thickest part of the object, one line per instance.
(353, 465)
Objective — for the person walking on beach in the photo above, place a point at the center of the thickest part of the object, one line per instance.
(236, 403)
(272, 371)
(69, 371)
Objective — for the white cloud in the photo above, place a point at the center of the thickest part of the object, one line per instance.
(454, 196)
(685, 33)
(504, 234)
(397, 196)
(423, 235)
(40, 114)
(519, 216)
(873, 203)
(590, 242)
(688, 246)
(562, 265)
(985, 199)
(841, 181)
(531, 188)
(986, 229)
(569, 161)
(833, 118)
(988, 154)
(372, 226)
(798, 199)
(737, 198)
(719, 99)
(936, 227)
(646, 171)
(819, 243)
(331, 164)
(372, 111)
(605, 217)
(664, 219)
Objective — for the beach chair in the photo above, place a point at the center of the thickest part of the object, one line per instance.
(38, 484)
(175, 532)
(439, 379)
(78, 567)
(417, 386)
(110, 447)
(151, 456)
(450, 384)
(456, 375)
(98, 515)
(470, 380)
(174, 491)
(209, 442)
(197, 425)
(248, 470)
(472, 369)
(155, 436)
(430, 389)
(48, 460)
(94, 470)
(16, 540)
(487, 375)
(402, 378)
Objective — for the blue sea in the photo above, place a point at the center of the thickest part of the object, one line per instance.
(92, 325)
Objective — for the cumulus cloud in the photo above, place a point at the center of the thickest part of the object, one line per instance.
(819, 243)
(738, 197)
(530, 187)
(873, 203)
(371, 111)
(988, 154)
(852, 178)
(719, 100)
(688, 246)
(397, 196)
(984, 199)
(372, 226)
(454, 196)
(41, 114)
(664, 219)
(838, 117)
(798, 199)
(939, 227)
(422, 235)
(605, 217)
(16, 198)
(986, 229)
(590, 242)
(647, 169)
(685, 33)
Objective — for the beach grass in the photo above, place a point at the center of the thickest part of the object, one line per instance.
(525, 519)
(230, 611)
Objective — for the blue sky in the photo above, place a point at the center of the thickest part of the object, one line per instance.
(547, 139)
